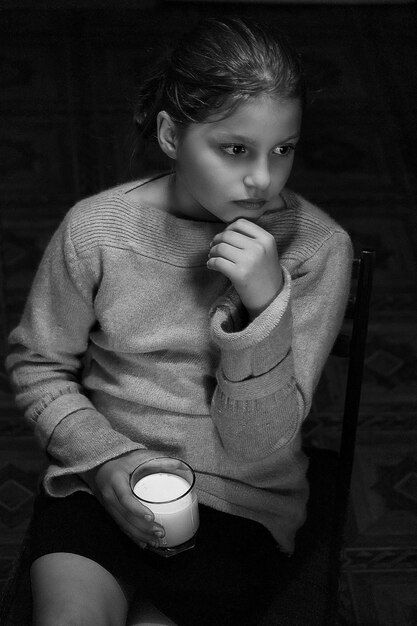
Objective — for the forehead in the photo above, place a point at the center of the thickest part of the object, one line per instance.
(259, 117)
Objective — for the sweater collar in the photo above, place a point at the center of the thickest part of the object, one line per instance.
(177, 240)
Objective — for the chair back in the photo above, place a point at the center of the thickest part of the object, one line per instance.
(309, 594)
(351, 344)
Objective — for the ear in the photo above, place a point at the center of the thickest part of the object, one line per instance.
(167, 134)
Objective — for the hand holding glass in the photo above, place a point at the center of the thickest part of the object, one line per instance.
(165, 485)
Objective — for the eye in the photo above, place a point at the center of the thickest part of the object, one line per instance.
(283, 151)
(234, 149)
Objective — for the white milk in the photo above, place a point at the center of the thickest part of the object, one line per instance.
(163, 494)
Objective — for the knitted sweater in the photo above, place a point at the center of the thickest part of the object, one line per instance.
(129, 342)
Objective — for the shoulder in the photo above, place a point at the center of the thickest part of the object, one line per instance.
(310, 219)
(302, 229)
(106, 218)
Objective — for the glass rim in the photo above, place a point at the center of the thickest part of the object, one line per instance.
(156, 458)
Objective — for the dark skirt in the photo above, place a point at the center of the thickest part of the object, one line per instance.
(227, 578)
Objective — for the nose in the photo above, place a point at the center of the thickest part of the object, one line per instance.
(259, 176)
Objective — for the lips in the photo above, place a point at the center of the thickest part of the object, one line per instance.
(251, 204)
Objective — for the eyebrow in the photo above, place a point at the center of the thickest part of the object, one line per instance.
(242, 139)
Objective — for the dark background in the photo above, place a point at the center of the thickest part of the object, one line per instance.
(68, 76)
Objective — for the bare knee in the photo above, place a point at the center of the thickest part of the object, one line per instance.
(143, 613)
(71, 590)
(70, 614)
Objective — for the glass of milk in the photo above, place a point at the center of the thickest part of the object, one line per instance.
(166, 486)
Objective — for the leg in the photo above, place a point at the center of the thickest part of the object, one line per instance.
(227, 578)
(145, 614)
(72, 590)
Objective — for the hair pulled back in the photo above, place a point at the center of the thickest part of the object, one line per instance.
(213, 68)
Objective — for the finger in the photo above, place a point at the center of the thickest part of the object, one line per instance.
(238, 240)
(117, 509)
(148, 525)
(135, 533)
(226, 251)
(225, 267)
(133, 525)
(245, 227)
(257, 236)
(123, 492)
(133, 512)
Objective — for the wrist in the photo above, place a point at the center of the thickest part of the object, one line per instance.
(89, 477)
(255, 309)
(253, 313)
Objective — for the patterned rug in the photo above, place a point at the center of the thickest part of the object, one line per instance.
(68, 84)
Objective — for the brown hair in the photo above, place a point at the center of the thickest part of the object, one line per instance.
(213, 68)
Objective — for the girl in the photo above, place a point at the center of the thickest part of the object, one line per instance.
(189, 314)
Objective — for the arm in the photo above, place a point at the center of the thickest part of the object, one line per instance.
(46, 360)
(45, 365)
(270, 368)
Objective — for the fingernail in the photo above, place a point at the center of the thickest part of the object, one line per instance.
(159, 533)
(148, 517)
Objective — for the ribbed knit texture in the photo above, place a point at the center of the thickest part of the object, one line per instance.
(129, 342)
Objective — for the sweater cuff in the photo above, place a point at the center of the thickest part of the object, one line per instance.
(260, 346)
(81, 436)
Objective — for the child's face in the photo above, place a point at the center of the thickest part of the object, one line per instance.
(237, 166)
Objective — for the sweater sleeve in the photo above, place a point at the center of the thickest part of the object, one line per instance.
(269, 369)
(45, 361)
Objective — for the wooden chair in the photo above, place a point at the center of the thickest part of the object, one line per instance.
(308, 596)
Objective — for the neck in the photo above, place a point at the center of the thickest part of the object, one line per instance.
(181, 204)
